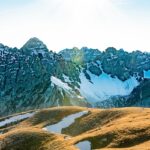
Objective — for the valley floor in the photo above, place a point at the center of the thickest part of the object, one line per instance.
(72, 128)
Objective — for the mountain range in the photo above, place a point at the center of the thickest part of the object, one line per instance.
(35, 77)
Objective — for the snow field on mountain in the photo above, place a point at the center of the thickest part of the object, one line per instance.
(104, 86)
(60, 83)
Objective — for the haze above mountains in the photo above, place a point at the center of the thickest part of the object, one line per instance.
(67, 23)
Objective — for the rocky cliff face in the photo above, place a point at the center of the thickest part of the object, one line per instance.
(25, 78)
(34, 77)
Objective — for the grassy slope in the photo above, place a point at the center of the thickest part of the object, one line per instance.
(127, 128)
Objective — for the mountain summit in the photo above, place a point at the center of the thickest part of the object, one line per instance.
(34, 43)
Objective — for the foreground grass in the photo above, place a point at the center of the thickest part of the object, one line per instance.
(124, 128)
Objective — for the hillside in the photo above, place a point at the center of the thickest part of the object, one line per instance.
(85, 129)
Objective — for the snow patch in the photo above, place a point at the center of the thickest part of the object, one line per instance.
(64, 123)
(60, 83)
(84, 145)
(66, 78)
(16, 118)
(104, 86)
(147, 74)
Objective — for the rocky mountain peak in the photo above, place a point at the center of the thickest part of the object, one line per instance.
(34, 43)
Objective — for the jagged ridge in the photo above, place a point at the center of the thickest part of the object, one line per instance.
(26, 73)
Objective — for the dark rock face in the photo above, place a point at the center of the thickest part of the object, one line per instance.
(25, 76)
(115, 62)
(95, 70)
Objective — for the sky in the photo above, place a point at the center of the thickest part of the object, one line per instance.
(64, 24)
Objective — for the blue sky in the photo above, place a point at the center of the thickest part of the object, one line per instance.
(67, 23)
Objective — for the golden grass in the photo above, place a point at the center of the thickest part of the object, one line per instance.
(51, 116)
(118, 128)
(127, 130)
(33, 139)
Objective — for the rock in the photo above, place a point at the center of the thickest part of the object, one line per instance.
(25, 76)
